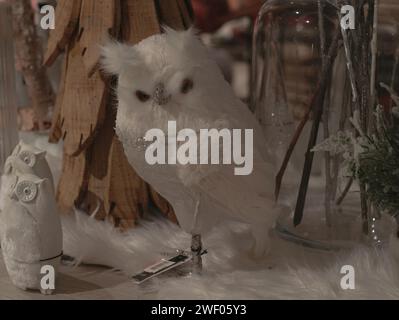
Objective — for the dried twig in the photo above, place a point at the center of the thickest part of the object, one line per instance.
(373, 61)
(344, 192)
(29, 57)
(395, 69)
(321, 87)
(364, 34)
(337, 159)
(317, 113)
(326, 111)
(322, 32)
(291, 147)
(349, 64)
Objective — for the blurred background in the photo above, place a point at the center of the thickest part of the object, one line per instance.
(226, 26)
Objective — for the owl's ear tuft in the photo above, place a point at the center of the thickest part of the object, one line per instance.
(181, 38)
(186, 41)
(115, 56)
(41, 181)
(41, 154)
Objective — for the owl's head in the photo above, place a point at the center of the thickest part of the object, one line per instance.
(162, 73)
(25, 156)
(27, 159)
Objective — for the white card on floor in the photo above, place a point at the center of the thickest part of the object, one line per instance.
(161, 267)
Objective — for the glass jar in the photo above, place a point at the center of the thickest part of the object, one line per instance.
(8, 107)
(291, 75)
(388, 49)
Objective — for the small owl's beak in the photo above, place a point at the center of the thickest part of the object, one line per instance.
(160, 96)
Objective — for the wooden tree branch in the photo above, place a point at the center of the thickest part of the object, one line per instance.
(67, 18)
(29, 57)
(97, 31)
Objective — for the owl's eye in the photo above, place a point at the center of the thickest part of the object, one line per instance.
(26, 191)
(28, 158)
(142, 96)
(187, 86)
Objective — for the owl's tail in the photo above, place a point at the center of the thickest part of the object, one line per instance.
(91, 241)
(247, 199)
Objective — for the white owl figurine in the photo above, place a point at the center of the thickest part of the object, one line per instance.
(31, 232)
(170, 77)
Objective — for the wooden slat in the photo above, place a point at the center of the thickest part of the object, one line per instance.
(66, 19)
(112, 179)
(83, 107)
(139, 20)
(164, 206)
(169, 14)
(56, 132)
(97, 23)
(128, 194)
(99, 168)
(185, 13)
(72, 183)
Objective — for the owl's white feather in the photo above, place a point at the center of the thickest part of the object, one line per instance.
(201, 195)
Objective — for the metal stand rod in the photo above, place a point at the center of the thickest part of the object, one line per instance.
(196, 249)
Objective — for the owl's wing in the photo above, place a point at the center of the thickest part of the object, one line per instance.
(220, 101)
(241, 117)
(49, 220)
(20, 234)
(224, 107)
(245, 198)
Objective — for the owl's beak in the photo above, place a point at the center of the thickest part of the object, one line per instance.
(160, 96)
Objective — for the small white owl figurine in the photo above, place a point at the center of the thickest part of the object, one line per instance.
(170, 77)
(31, 231)
(30, 227)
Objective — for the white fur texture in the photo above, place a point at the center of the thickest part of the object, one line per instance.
(290, 272)
(201, 195)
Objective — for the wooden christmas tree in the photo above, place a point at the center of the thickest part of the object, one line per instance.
(96, 172)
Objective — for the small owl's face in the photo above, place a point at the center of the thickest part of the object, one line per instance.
(27, 159)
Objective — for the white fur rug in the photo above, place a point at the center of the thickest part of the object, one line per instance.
(290, 272)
